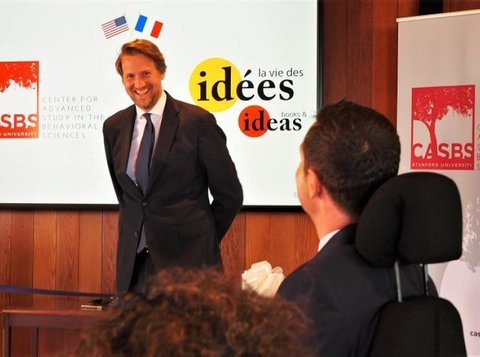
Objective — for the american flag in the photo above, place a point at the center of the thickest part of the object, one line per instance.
(114, 27)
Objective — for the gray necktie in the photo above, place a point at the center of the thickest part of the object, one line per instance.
(142, 166)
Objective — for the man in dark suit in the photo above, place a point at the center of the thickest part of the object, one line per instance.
(346, 155)
(166, 217)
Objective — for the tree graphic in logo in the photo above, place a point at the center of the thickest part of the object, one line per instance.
(19, 82)
(23, 74)
(454, 148)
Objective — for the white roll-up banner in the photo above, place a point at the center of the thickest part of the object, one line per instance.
(438, 106)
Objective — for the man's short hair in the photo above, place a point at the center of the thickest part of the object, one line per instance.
(141, 47)
(353, 150)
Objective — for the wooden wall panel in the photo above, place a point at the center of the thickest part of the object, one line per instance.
(21, 269)
(90, 251)
(21, 255)
(21, 345)
(109, 250)
(233, 247)
(67, 250)
(359, 51)
(408, 8)
(281, 236)
(285, 239)
(306, 240)
(51, 341)
(67, 262)
(44, 259)
(384, 59)
(334, 76)
(294, 240)
(257, 229)
(5, 234)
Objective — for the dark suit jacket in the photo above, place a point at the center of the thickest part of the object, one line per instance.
(182, 227)
(341, 293)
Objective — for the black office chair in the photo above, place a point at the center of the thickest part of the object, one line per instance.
(414, 218)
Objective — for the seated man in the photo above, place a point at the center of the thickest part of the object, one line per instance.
(198, 313)
(346, 155)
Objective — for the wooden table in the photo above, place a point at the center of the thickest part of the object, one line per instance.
(70, 319)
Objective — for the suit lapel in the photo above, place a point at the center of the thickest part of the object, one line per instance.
(124, 130)
(168, 129)
(126, 137)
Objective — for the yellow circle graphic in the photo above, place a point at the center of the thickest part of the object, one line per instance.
(213, 84)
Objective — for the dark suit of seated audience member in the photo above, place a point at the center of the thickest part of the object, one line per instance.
(198, 313)
(346, 155)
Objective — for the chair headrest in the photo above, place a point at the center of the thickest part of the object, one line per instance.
(414, 217)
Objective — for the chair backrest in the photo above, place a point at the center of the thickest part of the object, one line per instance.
(414, 218)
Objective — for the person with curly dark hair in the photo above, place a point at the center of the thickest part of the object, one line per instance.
(203, 312)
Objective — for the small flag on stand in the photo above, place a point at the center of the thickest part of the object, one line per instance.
(142, 21)
(115, 27)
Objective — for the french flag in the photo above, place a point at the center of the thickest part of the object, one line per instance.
(141, 24)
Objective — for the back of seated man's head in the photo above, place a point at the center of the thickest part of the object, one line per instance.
(198, 312)
(353, 150)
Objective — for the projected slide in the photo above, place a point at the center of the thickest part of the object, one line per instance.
(253, 64)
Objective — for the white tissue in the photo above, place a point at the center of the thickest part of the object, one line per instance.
(262, 278)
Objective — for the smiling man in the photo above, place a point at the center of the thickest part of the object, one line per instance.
(164, 156)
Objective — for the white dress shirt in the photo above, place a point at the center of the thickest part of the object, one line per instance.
(325, 239)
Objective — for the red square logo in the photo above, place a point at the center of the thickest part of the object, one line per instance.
(19, 100)
(443, 122)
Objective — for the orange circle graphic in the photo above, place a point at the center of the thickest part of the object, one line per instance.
(253, 121)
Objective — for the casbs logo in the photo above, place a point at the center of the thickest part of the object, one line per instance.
(216, 85)
(19, 100)
(443, 124)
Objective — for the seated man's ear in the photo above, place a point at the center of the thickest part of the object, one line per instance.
(314, 185)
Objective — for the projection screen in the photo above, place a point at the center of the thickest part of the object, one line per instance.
(253, 64)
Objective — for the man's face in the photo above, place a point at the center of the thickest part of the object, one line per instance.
(142, 80)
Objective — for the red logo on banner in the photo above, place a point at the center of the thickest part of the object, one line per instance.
(443, 122)
(19, 100)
